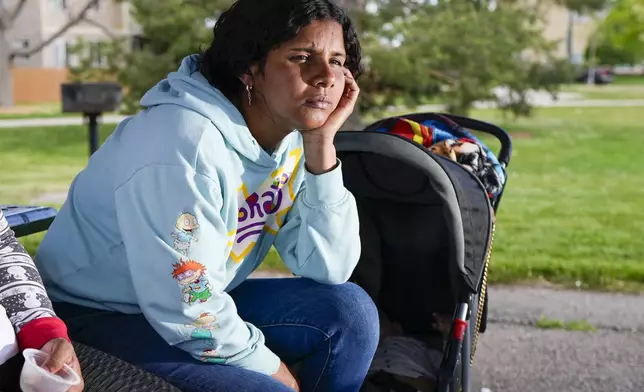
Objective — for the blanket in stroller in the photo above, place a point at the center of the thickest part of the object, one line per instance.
(446, 138)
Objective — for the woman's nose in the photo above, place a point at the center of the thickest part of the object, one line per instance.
(325, 77)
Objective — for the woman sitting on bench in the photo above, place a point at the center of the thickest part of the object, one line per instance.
(27, 319)
(233, 153)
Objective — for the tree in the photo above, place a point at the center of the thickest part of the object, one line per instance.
(608, 53)
(170, 31)
(8, 17)
(623, 28)
(459, 50)
(414, 49)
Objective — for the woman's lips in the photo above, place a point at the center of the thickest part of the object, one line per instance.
(321, 102)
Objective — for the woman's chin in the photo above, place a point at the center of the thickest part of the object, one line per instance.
(314, 121)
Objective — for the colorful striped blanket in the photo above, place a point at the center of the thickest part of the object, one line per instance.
(445, 137)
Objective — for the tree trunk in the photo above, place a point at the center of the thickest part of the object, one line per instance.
(592, 57)
(354, 122)
(6, 80)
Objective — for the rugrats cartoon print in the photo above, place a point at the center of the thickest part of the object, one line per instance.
(211, 356)
(185, 233)
(194, 284)
(204, 325)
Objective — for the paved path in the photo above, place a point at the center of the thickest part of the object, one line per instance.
(513, 358)
(523, 305)
(513, 355)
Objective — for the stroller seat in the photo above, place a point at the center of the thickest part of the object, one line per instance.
(396, 231)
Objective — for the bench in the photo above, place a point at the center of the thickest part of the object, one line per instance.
(26, 220)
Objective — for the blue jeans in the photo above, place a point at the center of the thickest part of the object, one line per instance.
(331, 331)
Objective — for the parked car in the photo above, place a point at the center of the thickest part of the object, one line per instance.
(603, 75)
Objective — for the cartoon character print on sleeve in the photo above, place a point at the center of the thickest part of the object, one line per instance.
(191, 275)
(211, 356)
(203, 326)
(185, 233)
(202, 330)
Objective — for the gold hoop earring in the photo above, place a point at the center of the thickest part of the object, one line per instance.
(250, 96)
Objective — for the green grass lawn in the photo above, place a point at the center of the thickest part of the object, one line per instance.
(572, 212)
(610, 91)
(21, 116)
(31, 111)
(629, 80)
(45, 110)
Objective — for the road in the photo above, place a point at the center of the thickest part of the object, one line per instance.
(514, 355)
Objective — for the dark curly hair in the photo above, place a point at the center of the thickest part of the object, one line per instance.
(250, 29)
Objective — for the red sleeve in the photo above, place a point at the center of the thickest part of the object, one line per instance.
(37, 332)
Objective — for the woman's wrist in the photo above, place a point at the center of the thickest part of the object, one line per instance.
(320, 154)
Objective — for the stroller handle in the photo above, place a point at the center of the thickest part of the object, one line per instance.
(465, 122)
(481, 126)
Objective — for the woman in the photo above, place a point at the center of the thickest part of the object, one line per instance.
(26, 310)
(149, 256)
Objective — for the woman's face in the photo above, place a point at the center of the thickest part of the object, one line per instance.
(303, 79)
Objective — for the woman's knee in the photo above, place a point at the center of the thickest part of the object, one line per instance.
(355, 314)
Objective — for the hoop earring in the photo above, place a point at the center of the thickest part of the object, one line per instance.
(250, 96)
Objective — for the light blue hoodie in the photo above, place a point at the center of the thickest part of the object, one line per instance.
(179, 206)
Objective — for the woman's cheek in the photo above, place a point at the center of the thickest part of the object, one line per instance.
(340, 84)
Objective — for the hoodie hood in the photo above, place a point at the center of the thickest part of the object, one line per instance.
(188, 88)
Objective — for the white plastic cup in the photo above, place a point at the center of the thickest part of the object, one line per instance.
(35, 378)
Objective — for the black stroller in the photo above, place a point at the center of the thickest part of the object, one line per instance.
(427, 228)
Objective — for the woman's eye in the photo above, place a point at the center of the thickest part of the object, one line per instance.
(336, 62)
(300, 58)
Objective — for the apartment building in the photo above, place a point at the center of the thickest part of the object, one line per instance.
(571, 30)
(37, 79)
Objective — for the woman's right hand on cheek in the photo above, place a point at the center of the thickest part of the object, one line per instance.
(284, 376)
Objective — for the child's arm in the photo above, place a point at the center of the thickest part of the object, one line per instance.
(23, 295)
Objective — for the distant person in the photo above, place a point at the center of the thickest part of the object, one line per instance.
(27, 319)
(149, 256)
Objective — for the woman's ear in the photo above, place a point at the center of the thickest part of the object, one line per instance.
(248, 78)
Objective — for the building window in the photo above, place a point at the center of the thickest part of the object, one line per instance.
(96, 54)
(60, 54)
